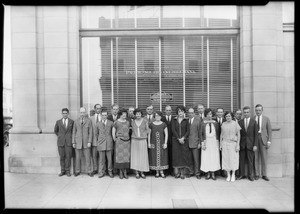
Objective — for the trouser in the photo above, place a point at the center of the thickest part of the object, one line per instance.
(196, 164)
(260, 157)
(87, 155)
(94, 158)
(102, 164)
(65, 155)
(246, 156)
(170, 170)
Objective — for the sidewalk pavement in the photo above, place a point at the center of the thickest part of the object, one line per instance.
(84, 192)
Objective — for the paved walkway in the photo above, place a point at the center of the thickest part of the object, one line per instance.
(51, 191)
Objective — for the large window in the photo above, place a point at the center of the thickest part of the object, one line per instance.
(159, 68)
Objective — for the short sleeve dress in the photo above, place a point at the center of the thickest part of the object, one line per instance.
(230, 158)
(158, 156)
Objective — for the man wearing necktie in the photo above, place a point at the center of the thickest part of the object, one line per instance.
(103, 134)
(167, 120)
(264, 142)
(149, 116)
(201, 109)
(220, 119)
(95, 119)
(248, 145)
(114, 113)
(63, 130)
(195, 141)
(82, 139)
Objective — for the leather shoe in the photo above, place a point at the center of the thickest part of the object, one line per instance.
(207, 176)
(76, 174)
(241, 177)
(177, 176)
(265, 178)
(143, 176)
(213, 176)
(251, 178)
(101, 175)
(256, 177)
(94, 172)
(61, 174)
(198, 176)
(68, 174)
(90, 174)
(182, 176)
(110, 174)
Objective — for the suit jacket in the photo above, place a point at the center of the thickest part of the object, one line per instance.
(223, 120)
(195, 133)
(93, 119)
(217, 128)
(180, 130)
(169, 125)
(198, 116)
(249, 137)
(110, 117)
(266, 129)
(146, 118)
(103, 135)
(82, 134)
(64, 135)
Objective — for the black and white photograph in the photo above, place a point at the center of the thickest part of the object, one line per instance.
(149, 106)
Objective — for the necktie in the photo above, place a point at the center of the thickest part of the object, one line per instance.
(97, 118)
(258, 123)
(103, 123)
(209, 127)
(65, 122)
(168, 118)
(81, 121)
(190, 121)
(149, 117)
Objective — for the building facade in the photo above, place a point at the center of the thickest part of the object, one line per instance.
(69, 56)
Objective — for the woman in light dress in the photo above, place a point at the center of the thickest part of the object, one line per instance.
(210, 155)
(230, 145)
(139, 151)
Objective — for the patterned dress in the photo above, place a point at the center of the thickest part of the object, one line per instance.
(122, 145)
(158, 156)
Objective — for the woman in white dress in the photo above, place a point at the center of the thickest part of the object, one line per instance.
(210, 156)
(230, 145)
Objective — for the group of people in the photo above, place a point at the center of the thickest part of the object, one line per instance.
(208, 143)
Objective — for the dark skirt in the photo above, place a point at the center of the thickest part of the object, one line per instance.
(181, 154)
(122, 154)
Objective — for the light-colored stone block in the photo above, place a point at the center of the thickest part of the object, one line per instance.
(23, 71)
(264, 37)
(23, 40)
(23, 11)
(73, 55)
(55, 24)
(289, 69)
(246, 70)
(289, 39)
(264, 52)
(279, 53)
(56, 71)
(289, 169)
(56, 101)
(276, 135)
(270, 8)
(246, 54)
(246, 99)
(23, 56)
(246, 38)
(24, 161)
(288, 12)
(245, 22)
(267, 99)
(56, 40)
(23, 24)
(264, 68)
(247, 84)
(73, 71)
(56, 86)
(280, 84)
(264, 21)
(289, 53)
(50, 161)
(73, 40)
(276, 147)
(56, 55)
(288, 145)
(264, 84)
(25, 87)
(289, 83)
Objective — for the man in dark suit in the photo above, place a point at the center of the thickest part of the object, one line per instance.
(264, 142)
(63, 130)
(149, 114)
(248, 144)
(82, 138)
(195, 141)
(103, 133)
(200, 108)
(95, 119)
(220, 119)
(114, 113)
(238, 115)
(167, 120)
